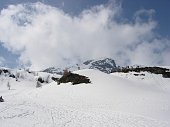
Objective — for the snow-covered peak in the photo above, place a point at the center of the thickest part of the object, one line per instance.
(54, 70)
(106, 65)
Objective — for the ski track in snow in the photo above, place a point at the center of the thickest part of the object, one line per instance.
(26, 108)
(35, 115)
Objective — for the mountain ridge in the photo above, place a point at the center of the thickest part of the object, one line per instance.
(106, 65)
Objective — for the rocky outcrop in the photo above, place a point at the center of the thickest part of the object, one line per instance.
(54, 70)
(73, 78)
(106, 65)
(40, 80)
(55, 79)
(4, 71)
(155, 70)
(166, 74)
(1, 99)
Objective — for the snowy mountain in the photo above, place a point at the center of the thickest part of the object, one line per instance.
(112, 100)
(106, 65)
(54, 70)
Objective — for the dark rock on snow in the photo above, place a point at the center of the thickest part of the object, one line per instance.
(166, 74)
(106, 65)
(55, 79)
(12, 75)
(73, 78)
(40, 80)
(154, 70)
(1, 99)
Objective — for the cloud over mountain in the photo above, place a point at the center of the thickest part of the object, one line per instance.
(2, 60)
(46, 36)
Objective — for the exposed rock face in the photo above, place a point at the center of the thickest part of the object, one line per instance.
(54, 70)
(106, 65)
(1, 99)
(40, 80)
(4, 71)
(73, 78)
(154, 70)
(55, 79)
(12, 75)
(166, 74)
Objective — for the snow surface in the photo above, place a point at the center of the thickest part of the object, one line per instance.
(111, 100)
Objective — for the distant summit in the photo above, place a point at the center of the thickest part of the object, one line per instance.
(54, 70)
(106, 65)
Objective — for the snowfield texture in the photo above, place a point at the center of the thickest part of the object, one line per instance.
(111, 100)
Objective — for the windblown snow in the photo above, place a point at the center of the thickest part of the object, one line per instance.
(111, 100)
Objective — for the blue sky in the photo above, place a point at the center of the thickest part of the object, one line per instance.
(74, 7)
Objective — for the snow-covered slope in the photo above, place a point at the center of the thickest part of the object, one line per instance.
(112, 100)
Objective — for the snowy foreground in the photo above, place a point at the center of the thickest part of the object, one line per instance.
(111, 100)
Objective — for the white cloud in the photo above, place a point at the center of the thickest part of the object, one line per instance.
(46, 36)
(2, 61)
